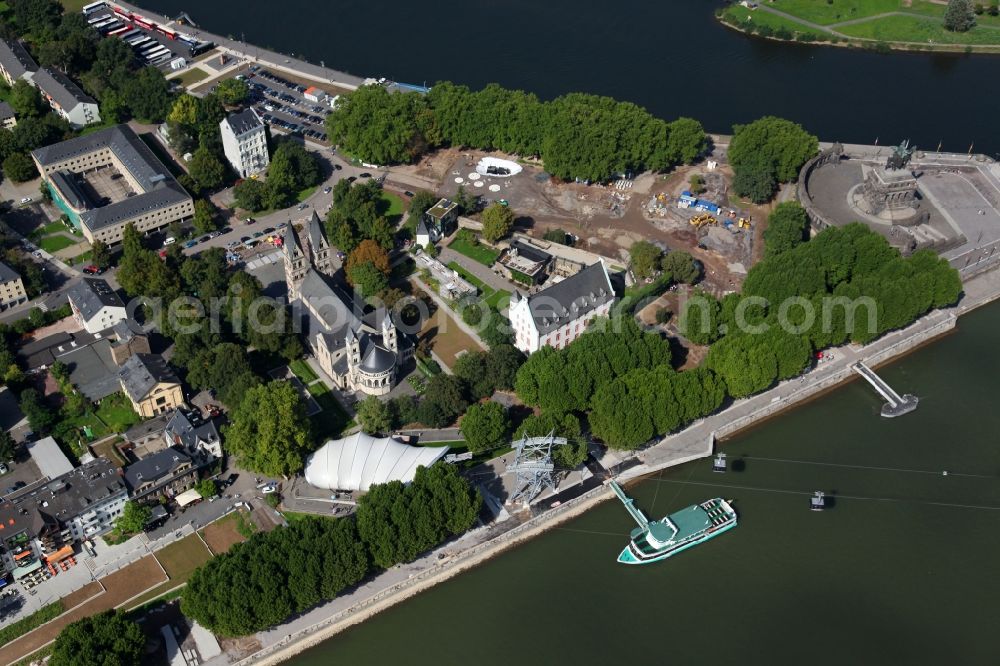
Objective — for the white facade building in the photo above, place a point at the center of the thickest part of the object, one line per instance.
(66, 98)
(245, 142)
(558, 315)
(96, 305)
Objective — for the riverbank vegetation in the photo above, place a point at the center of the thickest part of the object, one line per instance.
(845, 285)
(879, 24)
(263, 581)
(588, 137)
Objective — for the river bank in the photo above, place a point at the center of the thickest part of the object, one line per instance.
(474, 549)
(882, 33)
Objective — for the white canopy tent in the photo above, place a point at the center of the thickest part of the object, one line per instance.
(360, 461)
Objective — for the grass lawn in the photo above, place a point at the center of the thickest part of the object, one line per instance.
(190, 77)
(333, 420)
(447, 339)
(295, 516)
(75, 439)
(916, 29)
(395, 206)
(48, 229)
(223, 533)
(55, 243)
(481, 253)
(116, 411)
(742, 17)
(302, 370)
(73, 6)
(933, 9)
(107, 450)
(306, 193)
(826, 12)
(181, 558)
(495, 298)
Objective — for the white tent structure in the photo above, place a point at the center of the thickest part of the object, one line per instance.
(359, 461)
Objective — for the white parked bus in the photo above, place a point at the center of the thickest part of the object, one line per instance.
(94, 6)
(118, 31)
(136, 43)
(158, 53)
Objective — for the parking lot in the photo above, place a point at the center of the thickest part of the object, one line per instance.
(281, 104)
(152, 46)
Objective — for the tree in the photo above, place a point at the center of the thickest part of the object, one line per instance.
(787, 226)
(568, 455)
(960, 16)
(204, 216)
(147, 94)
(133, 519)
(681, 266)
(269, 432)
(368, 251)
(100, 254)
(557, 235)
(687, 140)
(26, 101)
(696, 184)
(369, 280)
(768, 151)
(755, 180)
(106, 639)
(39, 416)
(645, 258)
(206, 488)
(19, 168)
(485, 426)
(7, 448)
(444, 399)
(498, 221)
(232, 92)
(374, 415)
(206, 170)
(251, 195)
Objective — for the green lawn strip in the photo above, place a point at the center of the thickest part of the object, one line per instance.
(296, 516)
(73, 6)
(395, 206)
(480, 253)
(55, 243)
(32, 622)
(306, 193)
(158, 595)
(746, 19)
(825, 12)
(934, 10)
(918, 30)
(302, 370)
(116, 412)
(333, 420)
(71, 435)
(498, 299)
(190, 77)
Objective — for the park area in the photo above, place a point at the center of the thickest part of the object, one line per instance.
(913, 23)
(446, 338)
(465, 243)
(223, 533)
(497, 299)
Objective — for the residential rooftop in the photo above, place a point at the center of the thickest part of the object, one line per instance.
(571, 298)
(7, 273)
(15, 59)
(244, 121)
(91, 295)
(60, 88)
(141, 372)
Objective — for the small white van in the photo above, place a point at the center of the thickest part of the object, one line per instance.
(170, 241)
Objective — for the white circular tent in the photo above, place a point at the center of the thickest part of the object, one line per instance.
(360, 461)
(498, 168)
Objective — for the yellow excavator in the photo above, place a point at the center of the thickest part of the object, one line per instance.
(703, 219)
(744, 223)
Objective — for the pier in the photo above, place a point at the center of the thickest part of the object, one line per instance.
(895, 405)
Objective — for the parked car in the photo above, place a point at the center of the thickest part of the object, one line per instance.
(231, 479)
(249, 220)
(190, 244)
(269, 489)
(92, 270)
(365, 175)
(269, 230)
(204, 239)
(170, 240)
(25, 200)
(408, 193)
(327, 190)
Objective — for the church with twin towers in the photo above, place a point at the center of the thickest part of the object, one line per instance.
(359, 356)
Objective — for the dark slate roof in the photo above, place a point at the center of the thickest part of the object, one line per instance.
(6, 111)
(335, 315)
(530, 252)
(93, 371)
(572, 298)
(7, 273)
(422, 228)
(89, 295)
(141, 372)
(377, 359)
(317, 240)
(58, 86)
(159, 189)
(72, 193)
(16, 59)
(188, 428)
(160, 465)
(244, 121)
(149, 427)
(45, 351)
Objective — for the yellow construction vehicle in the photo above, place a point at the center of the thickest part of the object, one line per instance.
(703, 219)
(744, 223)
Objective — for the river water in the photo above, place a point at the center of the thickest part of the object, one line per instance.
(902, 570)
(670, 56)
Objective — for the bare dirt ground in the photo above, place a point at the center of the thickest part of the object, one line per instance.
(222, 534)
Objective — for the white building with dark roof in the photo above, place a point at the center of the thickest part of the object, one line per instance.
(66, 98)
(15, 62)
(96, 305)
(244, 142)
(141, 190)
(560, 313)
(356, 355)
(11, 288)
(151, 385)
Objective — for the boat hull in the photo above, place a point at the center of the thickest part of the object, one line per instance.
(632, 555)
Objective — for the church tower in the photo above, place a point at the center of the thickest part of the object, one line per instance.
(389, 335)
(296, 262)
(319, 246)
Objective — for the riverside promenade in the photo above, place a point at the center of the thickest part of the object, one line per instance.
(271, 59)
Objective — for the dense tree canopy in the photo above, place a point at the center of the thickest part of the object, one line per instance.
(766, 152)
(489, 371)
(645, 258)
(485, 426)
(269, 432)
(106, 639)
(498, 222)
(444, 400)
(787, 227)
(261, 582)
(577, 135)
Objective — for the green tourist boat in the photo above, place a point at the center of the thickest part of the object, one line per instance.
(657, 540)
